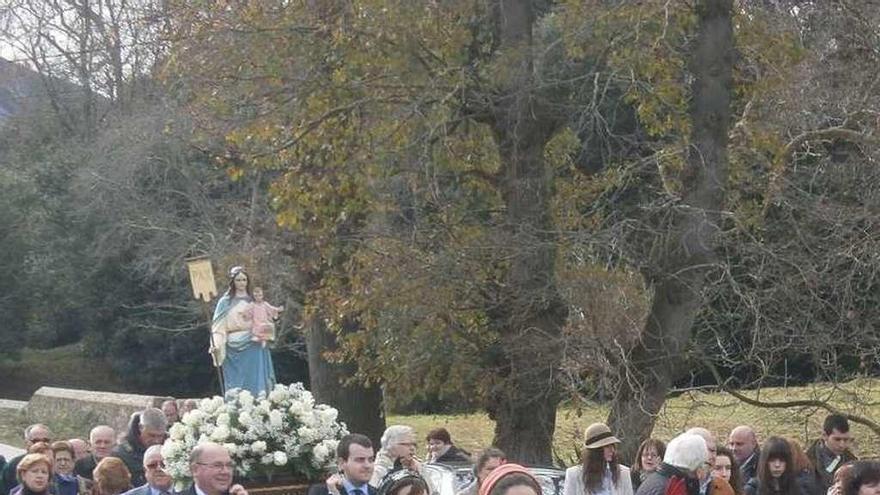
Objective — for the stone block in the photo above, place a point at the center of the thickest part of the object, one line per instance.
(13, 405)
(82, 409)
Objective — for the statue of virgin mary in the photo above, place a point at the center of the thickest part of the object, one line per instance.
(245, 363)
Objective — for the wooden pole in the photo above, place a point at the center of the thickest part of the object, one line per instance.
(209, 318)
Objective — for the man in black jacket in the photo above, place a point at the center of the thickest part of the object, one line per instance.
(32, 434)
(146, 428)
(831, 451)
(744, 444)
(354, 458)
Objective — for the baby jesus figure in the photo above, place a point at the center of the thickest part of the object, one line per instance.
(262, 315)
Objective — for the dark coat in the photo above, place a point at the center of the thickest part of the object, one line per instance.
(321, 489)
(141, 490)
(655, 483)
(68, 486)
(821, 458)
(454, 456)
(636, 478)
(192, 491)
(20, 490)
(805, 485)
(86, 466)
(131, 451)
(8, 481)
(749, 469)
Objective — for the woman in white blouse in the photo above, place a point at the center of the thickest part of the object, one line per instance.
(601, 473)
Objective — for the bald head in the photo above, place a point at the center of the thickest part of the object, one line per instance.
(742, 442)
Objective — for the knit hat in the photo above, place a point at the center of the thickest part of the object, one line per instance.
(394, 478)
(500, 472)
(598, 435)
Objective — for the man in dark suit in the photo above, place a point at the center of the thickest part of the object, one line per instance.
(355, 458)
(158, 481)
(212, 468)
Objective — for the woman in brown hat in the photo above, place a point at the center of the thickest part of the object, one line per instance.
(601, 472)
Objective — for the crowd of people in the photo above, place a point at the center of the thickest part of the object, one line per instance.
(107, 464)
(692, 463)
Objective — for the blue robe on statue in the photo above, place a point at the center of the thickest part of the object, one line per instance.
(246, 364)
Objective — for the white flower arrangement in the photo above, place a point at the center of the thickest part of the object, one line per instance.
(282, 433)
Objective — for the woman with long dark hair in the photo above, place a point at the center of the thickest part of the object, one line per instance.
(601, 472)
(777, 474)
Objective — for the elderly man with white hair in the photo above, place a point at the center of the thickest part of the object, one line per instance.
(102, 439)
(709, 484)
(678, 474)
(398, 451)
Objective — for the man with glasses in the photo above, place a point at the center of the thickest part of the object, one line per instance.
(212, 471)
(158, 481)
(398, 451)
(33, 434)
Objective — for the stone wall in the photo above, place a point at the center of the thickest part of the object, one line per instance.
(52, 406)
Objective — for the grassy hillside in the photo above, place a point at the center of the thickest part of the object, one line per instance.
(718, 412)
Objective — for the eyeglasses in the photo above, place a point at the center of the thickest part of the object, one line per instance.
(156, 465)
(38, 440)
(217, 466)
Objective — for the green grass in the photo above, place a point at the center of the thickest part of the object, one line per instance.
(719, 412)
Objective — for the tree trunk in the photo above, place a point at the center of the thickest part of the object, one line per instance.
(531, 312)
(359, 407)
(658, 360)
